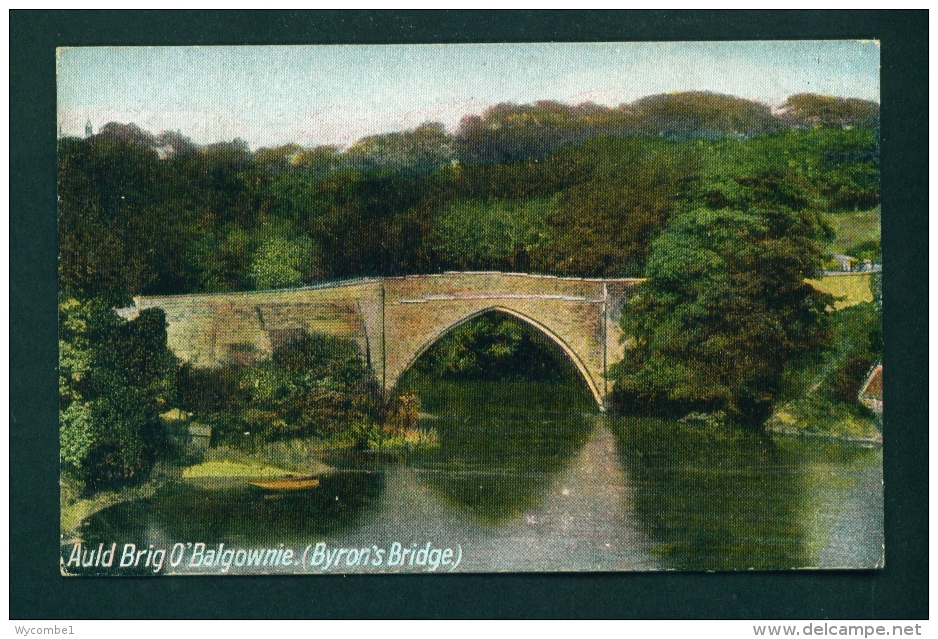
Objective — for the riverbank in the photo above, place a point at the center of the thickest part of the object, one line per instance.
(278, 460)
(815, 417)
(73, 510)
(819, 392)
(298, 457)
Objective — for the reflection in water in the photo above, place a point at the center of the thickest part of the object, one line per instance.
(539, 486)
(496, 464)
(235, 512)
(528, 478)
(523, 479)
(585, 521)
(843, 506)
(716, 498)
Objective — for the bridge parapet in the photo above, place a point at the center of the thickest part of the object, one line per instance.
(218, 328)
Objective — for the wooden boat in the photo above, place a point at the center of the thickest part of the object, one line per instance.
(285, 483)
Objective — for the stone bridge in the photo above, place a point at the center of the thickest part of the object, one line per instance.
(395, 320)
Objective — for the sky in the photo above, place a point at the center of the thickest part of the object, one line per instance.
(312, 95)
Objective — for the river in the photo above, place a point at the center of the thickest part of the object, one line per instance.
(529, 477)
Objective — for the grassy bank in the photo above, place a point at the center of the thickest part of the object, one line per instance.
(234, 470)
(224, 464)
(75, 508)
(246, 460)
(817, 416)
(854, 229)
(819, 394)
(301, 455)
(848, 289)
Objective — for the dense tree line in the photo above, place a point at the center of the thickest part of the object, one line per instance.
(712, 197)
(578, 191)
(142, 213)
(512, 132)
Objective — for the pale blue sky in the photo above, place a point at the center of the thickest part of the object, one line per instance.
(337, 94)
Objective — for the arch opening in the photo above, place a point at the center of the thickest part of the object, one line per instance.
(559, 350)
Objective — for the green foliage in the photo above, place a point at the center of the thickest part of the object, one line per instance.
(854, 229)
(550, 188)
(416, 152)
(858, 345)
(209, 391)
(701, 114)
(839, 167)
(224, 256)
(507, 133)
(374, 224)
(281, 261)
(819, 389)
(115, 377)
(870, 250)
(673, 186)
(495, 346)
(811, 109)
(493, 234)
(725, 304)
(315, 385)
(876, 289)
(603, 224)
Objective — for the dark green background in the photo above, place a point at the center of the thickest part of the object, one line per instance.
(37, 590)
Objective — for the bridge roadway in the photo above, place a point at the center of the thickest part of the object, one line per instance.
(394, 320)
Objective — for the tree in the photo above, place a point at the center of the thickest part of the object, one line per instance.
(495, 346)
(314, 383)
(604, 225)
(811, 109)
(726, 304)
(490, 234)
(282, 261)
(701, 114)
(126, 218)
(115, 378)
(415, 152)
(373, 224)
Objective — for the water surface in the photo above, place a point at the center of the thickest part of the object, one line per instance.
(528, 476)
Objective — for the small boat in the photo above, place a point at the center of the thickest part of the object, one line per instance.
(285, 483)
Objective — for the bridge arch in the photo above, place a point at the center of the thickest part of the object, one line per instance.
(442, 331)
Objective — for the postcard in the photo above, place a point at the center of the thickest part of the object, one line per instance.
(470, 308)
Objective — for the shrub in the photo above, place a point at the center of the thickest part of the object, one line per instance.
(115, 377)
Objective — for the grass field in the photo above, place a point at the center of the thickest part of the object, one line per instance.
(853, 229)
(226, 468)
(848, 289)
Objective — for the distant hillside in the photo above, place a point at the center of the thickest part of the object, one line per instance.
(513, 132)
(166, 144)
(507, 133)
(806, 110)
